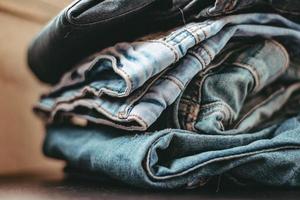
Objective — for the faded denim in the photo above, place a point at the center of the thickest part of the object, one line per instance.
(174, 158)
(174, 109)
(256, 146)
(144, 73)
(214, 99)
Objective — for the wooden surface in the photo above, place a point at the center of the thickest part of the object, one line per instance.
(21, 133)
(48, 186)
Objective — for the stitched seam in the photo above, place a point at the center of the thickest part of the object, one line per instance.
(87, 89)
(92, 105)
(107, 122)
(199, 28)
(199, 58)
(176, 55)
(195, 36)
(176, 33)
(200, 86)
(192, 32)
(141, 120)
(208, 53)
(184, 38)
(284, 53)
(264, 102)
(191, 169)
(176, 81)
(140, 95)
(219, 107)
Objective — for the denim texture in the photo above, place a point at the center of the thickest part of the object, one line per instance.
(215, 97)
(143, 71)
(86, 26)
(221, 7)
(174, 158)
(258, 147)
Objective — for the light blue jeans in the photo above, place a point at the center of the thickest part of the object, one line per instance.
(174, 158)
(238, 116)
(129, 85)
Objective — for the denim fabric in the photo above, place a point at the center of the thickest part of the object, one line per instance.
(127, 66)
(288, 7)
(143, 107)
(260, 146)
(87, 26)
(174, 158)
(223, 7)
(78, 93)
(273, 104)
(176, 108)
(213, 101)
(293, 72)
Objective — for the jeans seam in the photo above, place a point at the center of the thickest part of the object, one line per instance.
(199, 58)
(169, 46)
(195, 35)
(87, 89)
(218, 107)
(176, 33)
(112, 117)
(199, 83)
(208, 52)
(284, 53)
(268, 99)
(224, 158)
(140, 95)
(175, 80)
(179, 31)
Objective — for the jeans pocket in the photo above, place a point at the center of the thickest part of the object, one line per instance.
(216, 98)
(266, 61)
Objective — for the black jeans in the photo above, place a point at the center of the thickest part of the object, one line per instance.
(87, 26)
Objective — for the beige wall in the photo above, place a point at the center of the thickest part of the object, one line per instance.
(21, 133)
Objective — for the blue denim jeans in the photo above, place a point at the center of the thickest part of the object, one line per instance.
(229, 85)
(214, 100)
(253, 143)
(129, 85)
(174, 158)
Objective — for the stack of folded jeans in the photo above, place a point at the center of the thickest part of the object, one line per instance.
(169, 94)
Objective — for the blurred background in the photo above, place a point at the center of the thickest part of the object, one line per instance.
(21, 133)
